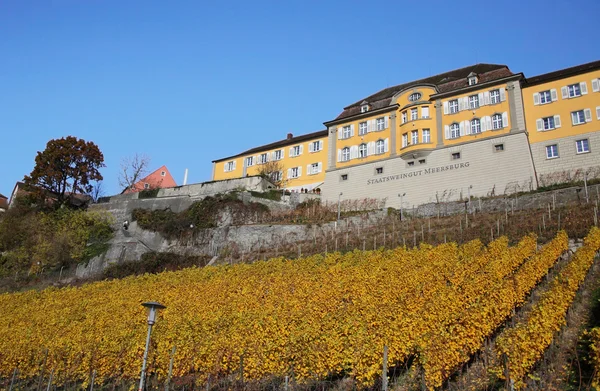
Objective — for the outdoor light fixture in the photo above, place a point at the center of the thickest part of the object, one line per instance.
(153, 308)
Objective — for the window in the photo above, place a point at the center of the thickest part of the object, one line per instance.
(475, 126)
(578, 117)
(379, 147)
(551, 151)
(548, 123)
(426, 136)
(414, 114)
(276, 176)
(362, 128)
(494, 96)
(545, 97)
(574, 90)
(294, 172)
(453, 104)
(364, 108)
(315, 146)
(472, 80)
(362, 150)
(162, 173)
(497, 121)
(262, 158)
(345, 154)
(473, 102)
(454, 130)
(456, 156)
(421, 161)
(414, 97)
(499, 147)
(314, 169)
(405, 140)
(415, 137)
(380, 123)
(346, 131)
(379, 170)
(410, 164)
(249, 161)
(344, 177)
(146, 186)
(425, 112)
(583, 146)
(230, 166)
(404, 117)
(278, 155)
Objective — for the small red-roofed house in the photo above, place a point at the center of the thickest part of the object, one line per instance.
(159, 179)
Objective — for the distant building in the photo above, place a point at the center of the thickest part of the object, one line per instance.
(159, 179)
(3, 203)
(21, 189)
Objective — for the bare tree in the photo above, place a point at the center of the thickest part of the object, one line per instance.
(133, 169)
(97, 191)
(273, 171)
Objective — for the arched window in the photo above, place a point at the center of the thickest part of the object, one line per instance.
(362, 150)
(379, 147)
(497, 121)
(454, 130)
(475, 126)
(345, 154)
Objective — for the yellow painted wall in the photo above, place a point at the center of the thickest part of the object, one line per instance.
(561, 107)
(469, 114)
(302, 160)
(419, 124)
(356, 140)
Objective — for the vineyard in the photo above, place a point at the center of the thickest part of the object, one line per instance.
(318, 317)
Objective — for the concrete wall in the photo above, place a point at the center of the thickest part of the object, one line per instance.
(488, 171)
(563, 167)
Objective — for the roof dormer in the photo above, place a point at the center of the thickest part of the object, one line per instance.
(473, 79)
(364, 106)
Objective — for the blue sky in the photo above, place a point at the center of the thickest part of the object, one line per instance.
(187, 82)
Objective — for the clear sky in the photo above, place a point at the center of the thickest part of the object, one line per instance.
(187, 82)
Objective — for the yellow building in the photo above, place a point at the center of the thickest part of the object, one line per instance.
(480, 130)
(563, 118)
(296, 162)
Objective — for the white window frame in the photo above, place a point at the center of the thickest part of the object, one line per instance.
(278, 154)
(362, 128)
(497, 122)
(379, 147)
(276, 176)
(404, 140)
(552, 151)
(454, 130)
(424, 110)
(295, 172)
(263, 158)
(314, 169)
(380, 123)
(404, 117)
(494, 96)
(163, 173)
(574, 90)
(575, 116)
(346, 131)
(362, 150)
(548, 123)
(146, 186)
(475, 126)
(453, 106)
(249, 161)
(414, 114)
(316, 146)
(545, 97)
(472, 80)
(455, 156)
(580, 144)
(414, 137)
(230, 166)
(364, 108)
(345, 154)
(473, 102)
(295, 151)
(426, 136)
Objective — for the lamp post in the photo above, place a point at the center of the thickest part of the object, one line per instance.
(153, 308)
(339, 209)
(469, 193)
(401, 206)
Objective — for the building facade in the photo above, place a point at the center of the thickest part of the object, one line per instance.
(481, 130)
(158, 179)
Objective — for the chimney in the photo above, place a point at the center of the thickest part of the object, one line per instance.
(289, 136)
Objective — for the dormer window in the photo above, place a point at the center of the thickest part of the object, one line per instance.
(472, 80)
(364, 108)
